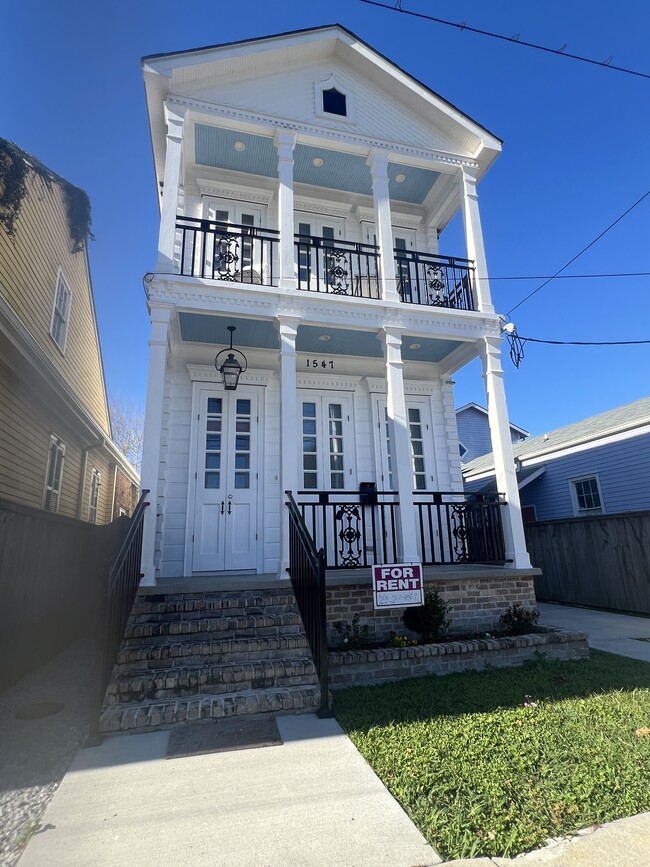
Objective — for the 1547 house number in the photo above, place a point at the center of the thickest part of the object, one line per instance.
(320, 362)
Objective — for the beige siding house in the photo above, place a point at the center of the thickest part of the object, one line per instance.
(56, 450)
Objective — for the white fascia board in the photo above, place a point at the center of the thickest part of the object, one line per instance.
(482, 409)
(641, 428)
(531, 478)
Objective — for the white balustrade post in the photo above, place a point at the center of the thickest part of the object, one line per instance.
(504, 464)
(403, 468)
(474, 240)
(289, 440)
(175, 118)
(285, 143)
(153, 417)
(378, 162)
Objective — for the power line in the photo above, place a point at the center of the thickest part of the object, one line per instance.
(517, 343)
(577, 256)
(559, 52)
(570, 276)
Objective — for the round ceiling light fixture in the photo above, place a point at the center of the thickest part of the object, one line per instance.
(240, 146)
(325, 337)
(317, 161)
(399, 179)
(414, 345)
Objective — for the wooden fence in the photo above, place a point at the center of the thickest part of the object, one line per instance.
(52, 569)
(602, 561)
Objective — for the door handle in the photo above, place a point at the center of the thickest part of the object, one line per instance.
(229, 507)
(222, 507)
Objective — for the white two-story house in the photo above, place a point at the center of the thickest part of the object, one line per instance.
(305, 183)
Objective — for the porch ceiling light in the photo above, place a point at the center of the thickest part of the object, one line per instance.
(231, 368)
(414, 345)
(325, 337)
(399, 179)
(239, 146)
(317, 161)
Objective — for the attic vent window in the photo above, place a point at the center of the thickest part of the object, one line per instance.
(334, 102)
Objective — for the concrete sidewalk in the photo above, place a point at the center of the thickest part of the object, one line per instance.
(622, 634)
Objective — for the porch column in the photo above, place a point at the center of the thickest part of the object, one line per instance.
(378, 162)
(153, 417)
(289, 442)
(504, 463)
(175, 118)
(474, 239)
(285, 143)
(396, 409)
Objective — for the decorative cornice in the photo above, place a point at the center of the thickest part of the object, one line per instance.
(327, 381)
(208, 373)
(241, 193)
(377, 385)
(314, 206)
(442, 157)
(399, 221)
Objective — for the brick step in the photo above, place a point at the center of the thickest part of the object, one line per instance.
(216, 679)
(225, 627)
(209, 613)
(230, 603)
(180, 654)
(162, 714)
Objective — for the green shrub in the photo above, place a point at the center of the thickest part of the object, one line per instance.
(519, 620)
(352, 636)
(429, 620)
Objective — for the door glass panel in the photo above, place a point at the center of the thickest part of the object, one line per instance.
(304, 251)
(309, 444)
(242, 443)
(337, 475)
(212, 477)
(389, 456)
(417, 449)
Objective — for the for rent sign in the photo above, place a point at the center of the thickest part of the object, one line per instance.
(397, 585)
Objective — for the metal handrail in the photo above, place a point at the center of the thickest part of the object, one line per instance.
(307, 574)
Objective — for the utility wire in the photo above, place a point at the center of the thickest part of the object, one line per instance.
(606, 64)
(577, 256)
(570, 276)
(517, 343)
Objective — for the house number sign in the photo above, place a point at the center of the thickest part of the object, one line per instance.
(326, 363)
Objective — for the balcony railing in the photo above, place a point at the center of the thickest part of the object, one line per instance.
(357, 531)
(460, 528)
(337, 267)
(227, 251)
(436, 281)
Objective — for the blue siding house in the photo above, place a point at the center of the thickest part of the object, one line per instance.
(474, 432)
(595, 467)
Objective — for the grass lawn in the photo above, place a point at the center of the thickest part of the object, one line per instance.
(495, 762)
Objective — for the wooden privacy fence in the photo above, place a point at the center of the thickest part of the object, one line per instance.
(602, 561)
(52, 569)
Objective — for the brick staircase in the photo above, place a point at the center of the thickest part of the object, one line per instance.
(212, 654)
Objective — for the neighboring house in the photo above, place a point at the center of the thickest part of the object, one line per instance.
(56, 451)
(474, 432)
(304, 181)
(594, 467)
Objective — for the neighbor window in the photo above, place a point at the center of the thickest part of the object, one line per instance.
(61, 312)
(54, 474)
(462, 449)
(587, 499)
(334, 102)
(93, 499)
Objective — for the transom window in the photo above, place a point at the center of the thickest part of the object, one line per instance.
(54, 474)
(586, 496)
(335, 102)
(93, 500)
(61, 312)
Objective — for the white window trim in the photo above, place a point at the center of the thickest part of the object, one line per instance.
(465, 449)
(61, 280)
(577, 511)
(56, 490)
(333, 82)
(94, 474)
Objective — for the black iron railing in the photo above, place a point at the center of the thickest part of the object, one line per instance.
(120, 592)
(460, 528)
(337, 267)
(307, 573)
(436, 281)
(353, 530)
(227, 251)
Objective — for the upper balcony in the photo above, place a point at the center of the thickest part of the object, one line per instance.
(249, 254)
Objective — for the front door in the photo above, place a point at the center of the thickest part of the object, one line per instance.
(226, 495)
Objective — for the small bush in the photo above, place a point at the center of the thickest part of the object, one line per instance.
(352, 636)
(519, 620)
(395, 639)
(429, 620)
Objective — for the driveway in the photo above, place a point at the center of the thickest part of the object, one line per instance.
(623, 634)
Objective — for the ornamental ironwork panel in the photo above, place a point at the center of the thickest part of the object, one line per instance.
(338, 276)
(437, 286)
(348, 521)
(226, 256)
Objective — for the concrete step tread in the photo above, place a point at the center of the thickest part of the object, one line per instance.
(158, 714)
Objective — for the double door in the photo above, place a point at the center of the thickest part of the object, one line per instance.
(236, 254)
(226, 481)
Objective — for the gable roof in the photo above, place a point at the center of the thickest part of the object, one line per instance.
(482, 409)
(597, 427)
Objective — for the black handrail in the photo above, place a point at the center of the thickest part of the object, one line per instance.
(120, 591)
(307, 573)
(435, 281)
(460, 527)
(337, 267)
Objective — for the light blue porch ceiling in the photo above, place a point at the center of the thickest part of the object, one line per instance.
(215, 146)
(204, 328)
(342, 341)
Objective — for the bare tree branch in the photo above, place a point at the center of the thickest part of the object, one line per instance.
(127, 421)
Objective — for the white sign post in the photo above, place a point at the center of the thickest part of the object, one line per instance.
(397, 585)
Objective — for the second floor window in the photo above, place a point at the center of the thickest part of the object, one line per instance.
(61, 312)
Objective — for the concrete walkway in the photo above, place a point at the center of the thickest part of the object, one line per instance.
(615, 633)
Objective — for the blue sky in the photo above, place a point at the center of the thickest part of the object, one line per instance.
(575, 156)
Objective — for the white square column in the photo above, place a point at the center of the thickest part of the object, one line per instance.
(378, 162)
(289, 442)
(403, 470)
(175, 118)
(504, 463)
(153, 417)
(474, 240)
(285, 143)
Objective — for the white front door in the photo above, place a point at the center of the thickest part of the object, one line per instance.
(327, 462)
(312, 261)
(418, 411)
(226, 488)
